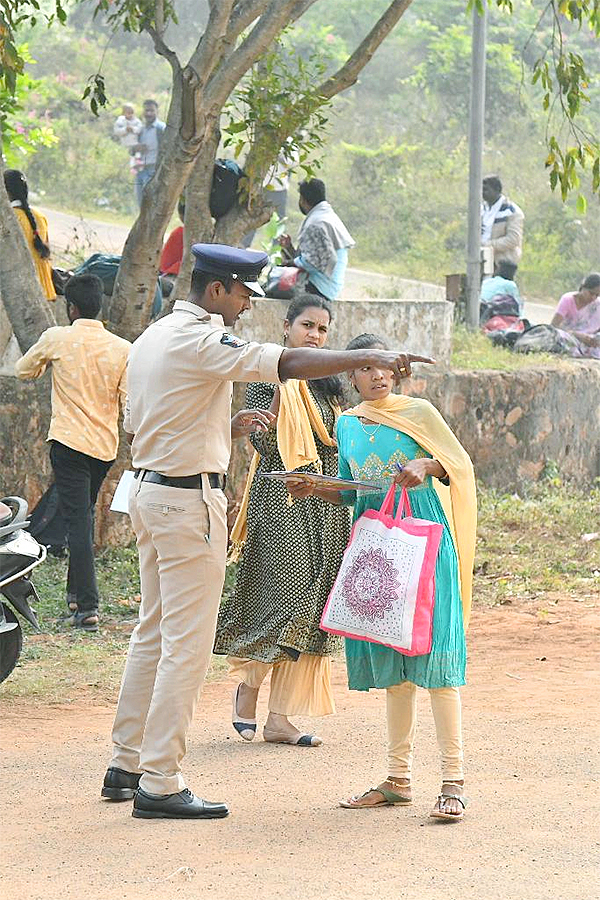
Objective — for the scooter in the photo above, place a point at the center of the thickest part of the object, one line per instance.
(20, 553)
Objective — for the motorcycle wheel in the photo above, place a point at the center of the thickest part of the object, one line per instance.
(11, 643)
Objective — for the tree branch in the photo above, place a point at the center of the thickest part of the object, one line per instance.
(349, 72)
(162, 48)
(270, 24)
(208, 52)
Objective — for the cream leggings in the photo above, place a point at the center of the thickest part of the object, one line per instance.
(301, 688)
(402, 723)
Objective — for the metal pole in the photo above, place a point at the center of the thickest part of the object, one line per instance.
(476, 120)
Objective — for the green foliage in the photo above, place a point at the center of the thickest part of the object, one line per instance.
(276, 111)
(14, 14)
(21, 132)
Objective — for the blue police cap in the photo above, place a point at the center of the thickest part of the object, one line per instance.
(223, 261)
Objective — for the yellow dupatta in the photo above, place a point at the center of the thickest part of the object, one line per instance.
(422, 421)
(298, 421)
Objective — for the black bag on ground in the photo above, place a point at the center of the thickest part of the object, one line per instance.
(546, 339)
(225, 186)
(47, 524)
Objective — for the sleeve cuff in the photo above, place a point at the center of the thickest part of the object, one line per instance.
(269, 363)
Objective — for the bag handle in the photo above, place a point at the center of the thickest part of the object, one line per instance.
(404, 507)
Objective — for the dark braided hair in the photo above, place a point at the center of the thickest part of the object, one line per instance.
(16, 188)
(330, 387)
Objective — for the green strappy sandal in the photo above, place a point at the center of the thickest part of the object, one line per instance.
(439, 810)
(390, 798)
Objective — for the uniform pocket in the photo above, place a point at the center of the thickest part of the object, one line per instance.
(165, 508)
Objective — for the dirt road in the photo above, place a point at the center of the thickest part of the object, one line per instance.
(93, 235)
(531, 831)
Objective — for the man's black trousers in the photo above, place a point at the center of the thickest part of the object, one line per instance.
(78, 478)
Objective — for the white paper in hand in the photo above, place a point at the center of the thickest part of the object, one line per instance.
(120, 501)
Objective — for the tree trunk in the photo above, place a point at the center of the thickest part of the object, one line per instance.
(20, 291)
(186, 132)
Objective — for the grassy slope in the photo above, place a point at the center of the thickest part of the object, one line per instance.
(529, 548)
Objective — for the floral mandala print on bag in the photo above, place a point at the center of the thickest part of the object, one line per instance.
(369, 587)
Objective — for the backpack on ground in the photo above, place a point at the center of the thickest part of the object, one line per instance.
(546, 339)
(500, 305)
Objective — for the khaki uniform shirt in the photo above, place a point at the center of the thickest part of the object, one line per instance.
(180, 378)
(89, 371)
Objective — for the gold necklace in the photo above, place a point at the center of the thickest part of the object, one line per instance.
(371, 434)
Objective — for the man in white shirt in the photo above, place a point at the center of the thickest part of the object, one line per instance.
(501, 223)
(148, 147)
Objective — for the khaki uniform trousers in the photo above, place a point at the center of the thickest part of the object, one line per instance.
(182, 543)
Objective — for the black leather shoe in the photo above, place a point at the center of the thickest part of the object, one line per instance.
(183, 805)
(119, 784)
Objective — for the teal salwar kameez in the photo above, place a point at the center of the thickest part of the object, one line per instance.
(368, 453)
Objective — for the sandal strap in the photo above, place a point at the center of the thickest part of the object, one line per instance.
(442, 798)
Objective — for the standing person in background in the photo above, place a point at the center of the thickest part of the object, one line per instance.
(127, 128)
(88, 381)
(35, 229)
(172, 254)
(275, 188)
(148, 146)
(291, 554)
(501, 223)
(323, 242)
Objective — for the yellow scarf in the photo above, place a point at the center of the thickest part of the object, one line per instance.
(419, 419)
(298, 421)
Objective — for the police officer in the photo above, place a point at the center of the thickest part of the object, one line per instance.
(180, 380)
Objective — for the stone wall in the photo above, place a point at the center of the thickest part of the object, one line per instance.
(421, 326)
(514, 423)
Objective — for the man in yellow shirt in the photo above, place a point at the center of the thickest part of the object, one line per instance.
(88, 381)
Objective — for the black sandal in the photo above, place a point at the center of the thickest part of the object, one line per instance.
(87, 621)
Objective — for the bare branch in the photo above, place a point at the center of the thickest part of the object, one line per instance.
(163, 49)
(268, 27)
(349, 72)
(159, 16)
(208, 52)
(244, 14)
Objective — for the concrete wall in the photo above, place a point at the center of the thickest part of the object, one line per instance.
(421, 326)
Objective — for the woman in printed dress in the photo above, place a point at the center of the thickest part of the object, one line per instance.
(384, 430)
(578, 313)
(290, 554)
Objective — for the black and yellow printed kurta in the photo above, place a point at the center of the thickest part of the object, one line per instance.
(290, 561)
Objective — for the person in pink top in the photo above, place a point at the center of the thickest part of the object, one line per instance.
(578, 312)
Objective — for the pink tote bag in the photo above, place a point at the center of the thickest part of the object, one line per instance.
(385, 590)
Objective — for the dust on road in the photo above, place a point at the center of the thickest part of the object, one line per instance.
(530, 832)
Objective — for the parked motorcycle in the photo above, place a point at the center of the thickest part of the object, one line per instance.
(20, 553)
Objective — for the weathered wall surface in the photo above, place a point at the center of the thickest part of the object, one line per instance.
(421, 326)
(24, 454)
(513, 423)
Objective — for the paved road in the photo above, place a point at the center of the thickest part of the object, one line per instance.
(69, 233)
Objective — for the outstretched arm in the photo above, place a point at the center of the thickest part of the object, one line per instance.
(304, 363)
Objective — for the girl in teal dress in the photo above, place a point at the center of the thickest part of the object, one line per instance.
(369, 451)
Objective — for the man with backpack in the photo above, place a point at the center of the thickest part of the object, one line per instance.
(88, 382)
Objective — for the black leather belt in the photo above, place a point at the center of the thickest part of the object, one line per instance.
(183, 481)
